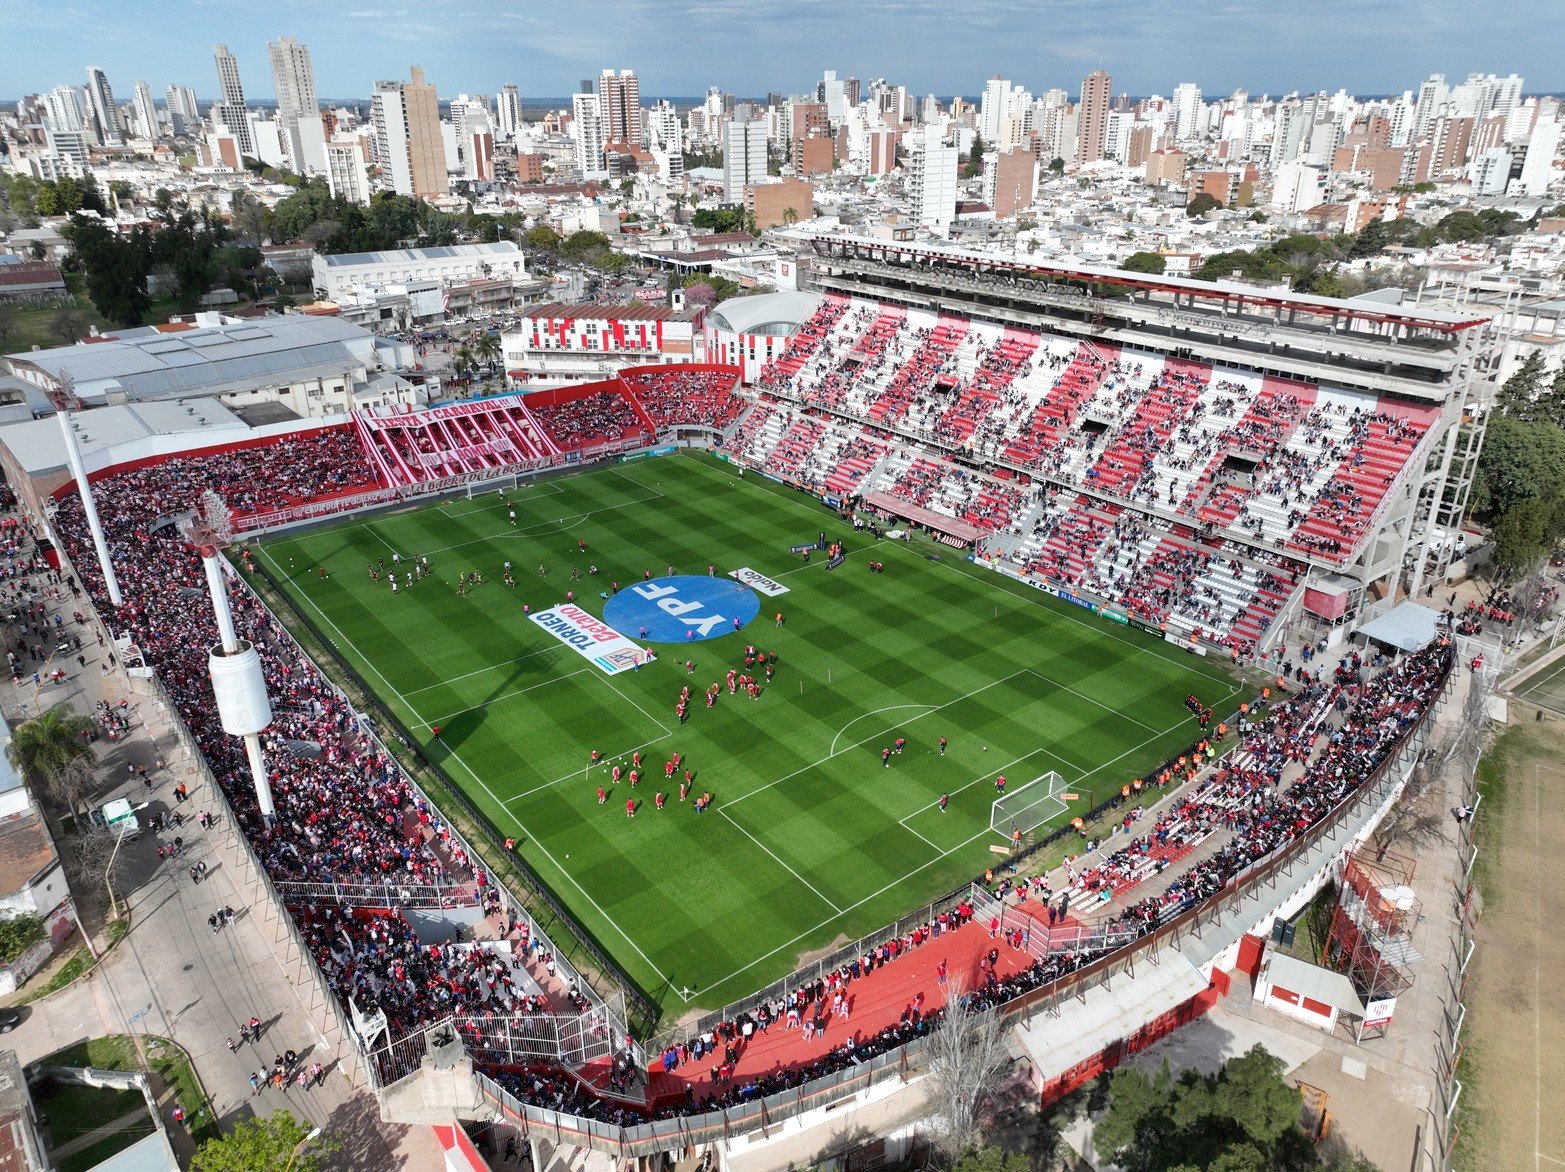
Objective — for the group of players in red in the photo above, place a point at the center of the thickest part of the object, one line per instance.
(659, 797)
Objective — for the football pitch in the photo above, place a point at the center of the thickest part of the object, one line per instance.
(810, 838)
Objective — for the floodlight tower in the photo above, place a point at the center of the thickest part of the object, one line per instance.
(90, 510)
(238, 681)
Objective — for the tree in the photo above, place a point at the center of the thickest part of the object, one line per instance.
(1057, 165)
(69, 326)
(542, 238)
(1145, 262)
(280, 1141)
(18, 934)
(46, 750)
(1520, 462)
(7, 321)
(967, 1054)
(789, 217)
(488, 350)
(1518, 391)
(992, 1159)
(1203, 203)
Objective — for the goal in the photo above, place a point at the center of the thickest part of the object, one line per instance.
(1028, 806)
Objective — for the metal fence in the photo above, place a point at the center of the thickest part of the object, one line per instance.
(388, 895)
(452, 797)
(814, 971)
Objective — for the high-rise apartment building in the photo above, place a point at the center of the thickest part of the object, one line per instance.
(1093, 122)
(65, 109)
(424, 141)
(619, 106)
(1187, 110)
(230, 111)
(181, 100)
(409, 148)
(104, 111)
(346, 176)
(932, 174)
(587, 126)
(508, 111)
(744, 157)
(1432, 95)
(146, 111)
(298, 108)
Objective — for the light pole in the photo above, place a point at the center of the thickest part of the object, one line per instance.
(108, 872)
(300, 1146)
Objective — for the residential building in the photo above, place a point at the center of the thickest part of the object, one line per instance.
(1092, 127)
(1297, 188)
(183, 114)
(146, 111)
(619, 106)
(781, 203)
(881, 151)
(346, 175)
(587, 126)
(932, 176)
(104, 112)
(293, 77)
(529, 167)
(1188, 110)
(744, 158)
(230, 112)
(1538, 163)
(1010, 179)
(408, 144)
(508, 111)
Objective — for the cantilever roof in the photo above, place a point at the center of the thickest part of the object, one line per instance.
(1421, 316)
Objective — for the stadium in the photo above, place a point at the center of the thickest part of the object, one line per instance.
(944, 645)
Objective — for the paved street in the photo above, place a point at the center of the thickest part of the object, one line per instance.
(171, 975)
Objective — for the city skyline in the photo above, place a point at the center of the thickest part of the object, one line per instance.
(766, 45)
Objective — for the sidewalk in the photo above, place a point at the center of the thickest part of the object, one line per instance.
(171, 975)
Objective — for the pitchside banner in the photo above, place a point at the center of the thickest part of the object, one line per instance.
(591, 638)
(758, 582)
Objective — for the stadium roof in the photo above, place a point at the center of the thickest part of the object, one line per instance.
(1408, 627)
(1220, 291)
(149, 364)
(769, 313)
(412, 255)
(38, 447)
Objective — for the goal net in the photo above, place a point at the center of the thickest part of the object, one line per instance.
(1028, 806)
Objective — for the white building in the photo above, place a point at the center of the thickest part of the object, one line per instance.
(389, 115)
(1188, 111)
(230, 112)
(744, 158)
(1298, 187)
(1490, 172)
(1538, 165)
(932, 175)
(293, 77)
(339, 276)
(146, 111)
(508, 111)
(346, 175)
(565, 343)
(104, 111)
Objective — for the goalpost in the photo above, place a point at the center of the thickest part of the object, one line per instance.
(1028, 806)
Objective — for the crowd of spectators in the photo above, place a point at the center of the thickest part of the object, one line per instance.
(687, 398)
(599, 418)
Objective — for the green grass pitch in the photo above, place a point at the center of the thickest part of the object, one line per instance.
(810, 840)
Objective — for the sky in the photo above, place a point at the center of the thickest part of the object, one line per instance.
(750, 47)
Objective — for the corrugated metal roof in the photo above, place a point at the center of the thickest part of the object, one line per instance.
(1314, 982)
(208, 361)
(414, 255)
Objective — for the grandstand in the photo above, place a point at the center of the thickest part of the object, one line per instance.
(1193, 459)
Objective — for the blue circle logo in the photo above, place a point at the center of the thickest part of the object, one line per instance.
(682, 609)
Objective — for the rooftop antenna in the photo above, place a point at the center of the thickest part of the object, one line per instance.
(238, 681)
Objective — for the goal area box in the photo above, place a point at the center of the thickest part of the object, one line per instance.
(1028, 806)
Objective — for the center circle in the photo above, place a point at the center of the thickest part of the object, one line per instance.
(681, 609)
